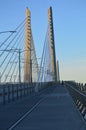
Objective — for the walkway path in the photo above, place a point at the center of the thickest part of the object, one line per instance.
(13, 111)
(56, 112)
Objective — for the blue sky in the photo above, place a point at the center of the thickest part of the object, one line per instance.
(69, 18)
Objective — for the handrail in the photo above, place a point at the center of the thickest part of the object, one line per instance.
(11, 92)
(79, 94)
(79, 98)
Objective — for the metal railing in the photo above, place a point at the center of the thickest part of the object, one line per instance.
(10, 92)
(78, 96)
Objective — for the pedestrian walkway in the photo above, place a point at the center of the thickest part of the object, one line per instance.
(13, 111)
(56, 112)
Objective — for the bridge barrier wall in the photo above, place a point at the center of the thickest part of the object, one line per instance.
(78, 96)
(11, 92)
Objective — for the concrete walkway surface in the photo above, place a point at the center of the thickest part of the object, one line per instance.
(56, 112)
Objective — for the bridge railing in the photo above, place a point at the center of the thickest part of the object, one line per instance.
(79, 86)
(10, 92)
(78, 96)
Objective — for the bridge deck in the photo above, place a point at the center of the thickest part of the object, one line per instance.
(52, 109)
(56, 112)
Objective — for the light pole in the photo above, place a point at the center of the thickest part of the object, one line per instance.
(11, 31)
(19, 66)
(18, 51)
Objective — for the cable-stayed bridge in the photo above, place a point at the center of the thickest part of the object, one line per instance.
(19, 62)
(31, 94)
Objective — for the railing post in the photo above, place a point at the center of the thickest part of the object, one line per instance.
(33, 87)
(12, 92)
(24, 89)
(17, 91)
(8, 93)
(3, 94)
(27, 89)
(21, 88)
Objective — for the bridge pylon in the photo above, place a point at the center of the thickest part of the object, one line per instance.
(27, 50)
(52, 44)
